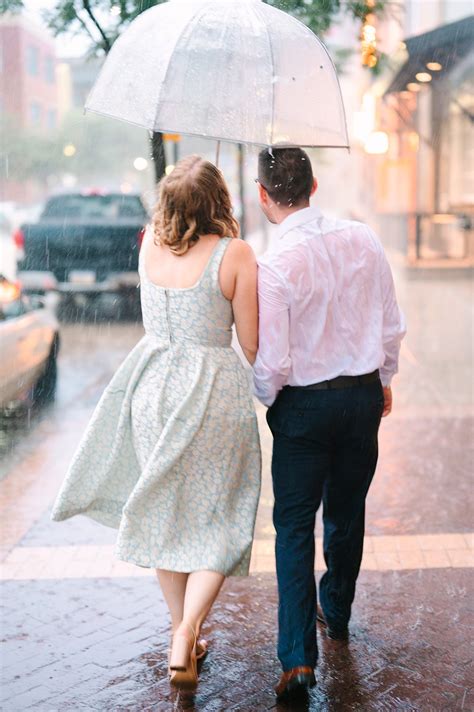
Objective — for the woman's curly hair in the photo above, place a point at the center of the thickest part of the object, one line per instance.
(193, 201)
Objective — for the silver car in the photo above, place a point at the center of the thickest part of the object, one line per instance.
(29, 345)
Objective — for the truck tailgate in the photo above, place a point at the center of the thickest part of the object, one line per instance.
(62, 248)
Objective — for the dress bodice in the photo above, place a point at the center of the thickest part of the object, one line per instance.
(197, 315)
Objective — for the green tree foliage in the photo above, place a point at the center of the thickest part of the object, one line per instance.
(94, 17)
(10, 6)
(320, 15)
(104, 149)
(24, 153)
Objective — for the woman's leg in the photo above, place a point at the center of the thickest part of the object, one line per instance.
(202, 588)
(173, 585)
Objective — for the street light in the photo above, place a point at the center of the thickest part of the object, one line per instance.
(69, 150)
(423, 77)
(377, 143)
(140, 163)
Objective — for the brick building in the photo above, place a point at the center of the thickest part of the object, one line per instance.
(28, 88)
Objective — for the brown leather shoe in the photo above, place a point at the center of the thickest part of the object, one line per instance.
(332, 633)
(296, 681)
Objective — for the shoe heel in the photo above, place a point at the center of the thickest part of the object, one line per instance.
(183, 663)
(184, 680)
(180, 653)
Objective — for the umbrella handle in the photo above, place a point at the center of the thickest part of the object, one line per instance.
(218, 153)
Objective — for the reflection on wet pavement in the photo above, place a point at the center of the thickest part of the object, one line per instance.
(102, 645)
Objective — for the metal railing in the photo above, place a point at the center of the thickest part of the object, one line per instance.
(443, 236)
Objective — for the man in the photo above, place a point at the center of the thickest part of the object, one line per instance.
(330, 333)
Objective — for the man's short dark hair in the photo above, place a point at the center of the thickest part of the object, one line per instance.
(286, 174)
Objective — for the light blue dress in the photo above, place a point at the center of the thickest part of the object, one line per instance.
(171, 456)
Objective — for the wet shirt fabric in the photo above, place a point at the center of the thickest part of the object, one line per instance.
(327, 305)
(171, 456)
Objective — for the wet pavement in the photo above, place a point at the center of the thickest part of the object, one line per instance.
(81, 631)
(102, 645)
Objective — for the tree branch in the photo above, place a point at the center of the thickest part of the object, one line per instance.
(105, 39)
(85, 28)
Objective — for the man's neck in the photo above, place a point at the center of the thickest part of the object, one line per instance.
(284, 213)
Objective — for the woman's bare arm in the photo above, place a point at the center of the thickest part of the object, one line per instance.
(239, 284)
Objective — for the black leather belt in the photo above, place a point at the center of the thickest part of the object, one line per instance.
(340, 382)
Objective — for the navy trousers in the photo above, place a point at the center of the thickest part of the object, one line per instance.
(325, 448)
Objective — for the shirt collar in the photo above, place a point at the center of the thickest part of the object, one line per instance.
(297, 219)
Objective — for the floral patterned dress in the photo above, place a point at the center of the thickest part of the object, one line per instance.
(171, 456)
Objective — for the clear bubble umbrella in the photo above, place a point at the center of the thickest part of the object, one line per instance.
(232, 70)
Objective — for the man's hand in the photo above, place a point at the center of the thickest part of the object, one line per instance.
(387, 397)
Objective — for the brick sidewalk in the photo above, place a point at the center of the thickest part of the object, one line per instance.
(102, 645)
(84, 632)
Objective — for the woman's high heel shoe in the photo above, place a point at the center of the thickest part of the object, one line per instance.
(202, 649)
(183, 661)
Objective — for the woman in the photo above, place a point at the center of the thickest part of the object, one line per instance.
(171, 456)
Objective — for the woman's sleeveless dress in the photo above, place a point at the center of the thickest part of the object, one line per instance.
(171, 456)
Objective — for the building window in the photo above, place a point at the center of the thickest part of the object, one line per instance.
(35, 113)
(32, 61)
(49, 70)
(51, 119)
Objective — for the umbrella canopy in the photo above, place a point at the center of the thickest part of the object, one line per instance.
(232, 70)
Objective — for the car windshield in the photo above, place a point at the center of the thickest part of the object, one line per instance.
(95, 207)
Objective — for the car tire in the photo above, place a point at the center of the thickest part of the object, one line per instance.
(44, 391)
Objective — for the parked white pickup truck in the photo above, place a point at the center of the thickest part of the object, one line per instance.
(29, 344)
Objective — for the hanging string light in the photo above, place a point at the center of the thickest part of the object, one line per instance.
(369, 37)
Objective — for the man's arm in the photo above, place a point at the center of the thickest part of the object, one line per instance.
(394, 329)
(273, 359)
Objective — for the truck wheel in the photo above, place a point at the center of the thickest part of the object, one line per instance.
(44, 391)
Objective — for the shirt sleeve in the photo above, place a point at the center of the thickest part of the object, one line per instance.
(394, 325)
(273, 362)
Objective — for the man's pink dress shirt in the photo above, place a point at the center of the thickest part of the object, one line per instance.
(327, 305)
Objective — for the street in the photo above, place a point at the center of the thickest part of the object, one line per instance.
(83, 631)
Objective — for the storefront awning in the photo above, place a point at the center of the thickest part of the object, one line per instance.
(445, 46)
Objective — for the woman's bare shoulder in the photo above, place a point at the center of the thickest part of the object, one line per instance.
(241, 252)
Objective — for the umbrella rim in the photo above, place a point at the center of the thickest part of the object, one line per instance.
(87, 110)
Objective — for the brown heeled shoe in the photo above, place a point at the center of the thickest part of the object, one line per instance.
(183, 660)
(202, 649)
